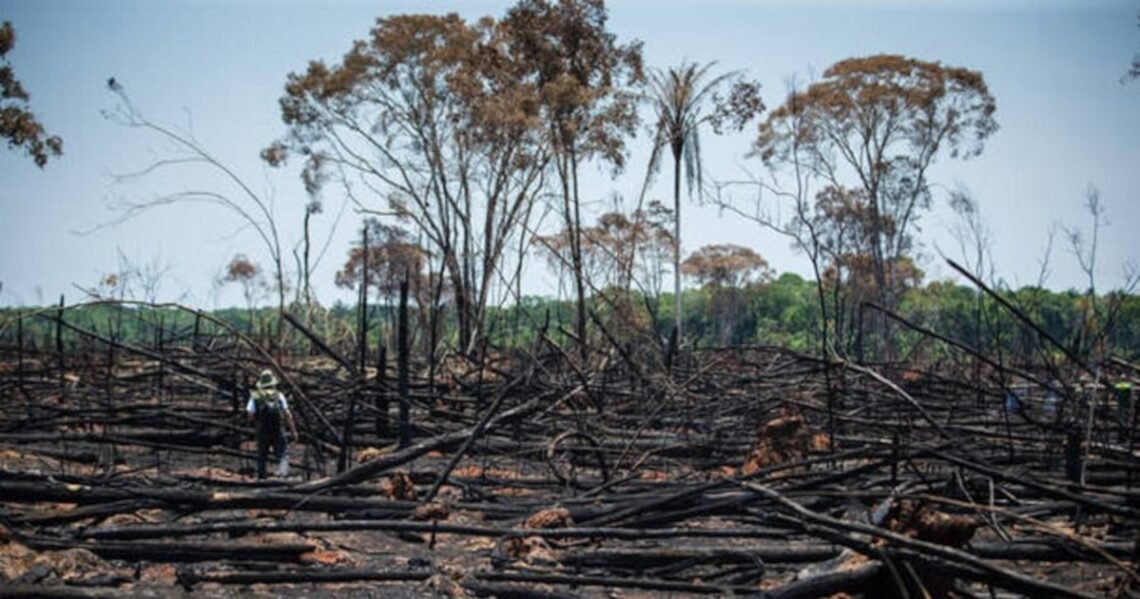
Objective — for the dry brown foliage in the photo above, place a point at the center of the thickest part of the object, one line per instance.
(782, 440)
(916, 519)
(17, 559)
(920, 521)
(398, 486)
(445, 585)
(19, 125)
(325, 557)
(558, 517)
(431, 511)
(370, 453)
(726, 265)
(161, 574)
(391, 255)
(532, 550)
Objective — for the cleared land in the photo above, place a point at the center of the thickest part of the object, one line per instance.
(128, 471)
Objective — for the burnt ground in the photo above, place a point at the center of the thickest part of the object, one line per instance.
(749, 472)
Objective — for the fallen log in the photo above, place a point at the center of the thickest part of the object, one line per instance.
(201, 500)
(63, 591)
(121, 441)
(79, 457)
(510, 591)
(162, 438)
(386, 462)
(645, 584)
(1048, 552)
(825, 585)
(190, 577)
(684, 497)
(1046, 490)
(98, 510)
(639, 559)
(166, 551)
(158, 531)
(904, 546)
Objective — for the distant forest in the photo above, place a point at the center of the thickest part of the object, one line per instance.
(783, 311)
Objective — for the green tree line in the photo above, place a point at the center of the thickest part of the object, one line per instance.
(782, 311)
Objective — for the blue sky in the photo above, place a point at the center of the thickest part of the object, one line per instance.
(218, 68)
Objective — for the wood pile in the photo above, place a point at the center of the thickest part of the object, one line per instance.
(754, 472)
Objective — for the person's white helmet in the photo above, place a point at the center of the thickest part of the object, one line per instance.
(266, 380)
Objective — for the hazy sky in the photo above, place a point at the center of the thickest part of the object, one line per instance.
(217, 68)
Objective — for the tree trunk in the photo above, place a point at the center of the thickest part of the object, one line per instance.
(402, 366)
(573, 216)
(307, 291)
(677, 243)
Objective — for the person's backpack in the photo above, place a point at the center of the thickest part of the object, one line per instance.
(268, 401)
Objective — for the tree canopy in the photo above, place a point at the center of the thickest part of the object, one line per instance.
(18, 124)
(679, 97)
(726, 265)
(390, 257)
(868, 132)
(584, 81)
(431, 117)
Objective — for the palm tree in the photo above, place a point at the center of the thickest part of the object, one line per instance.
(678, 97)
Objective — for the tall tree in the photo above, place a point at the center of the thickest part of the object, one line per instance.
(876, 124)
(619, 251)
(799, 224)
(18, 124)
(431, 116)
(391, 256)
(587, 108)
(726, 265)
(247, 273)
(839, 223)
(724, 270)
(679, 98)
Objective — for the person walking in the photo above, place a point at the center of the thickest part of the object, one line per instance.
(269, 411)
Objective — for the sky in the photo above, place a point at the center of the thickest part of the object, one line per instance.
(215, 69)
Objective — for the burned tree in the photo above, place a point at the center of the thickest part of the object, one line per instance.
(585, 108)
(723, 270)
(870, 129)
(623, 257)
(248, 275)
(390, 257)
(620, 251)
(429, 116)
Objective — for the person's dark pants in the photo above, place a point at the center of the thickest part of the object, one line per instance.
(269, 434)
